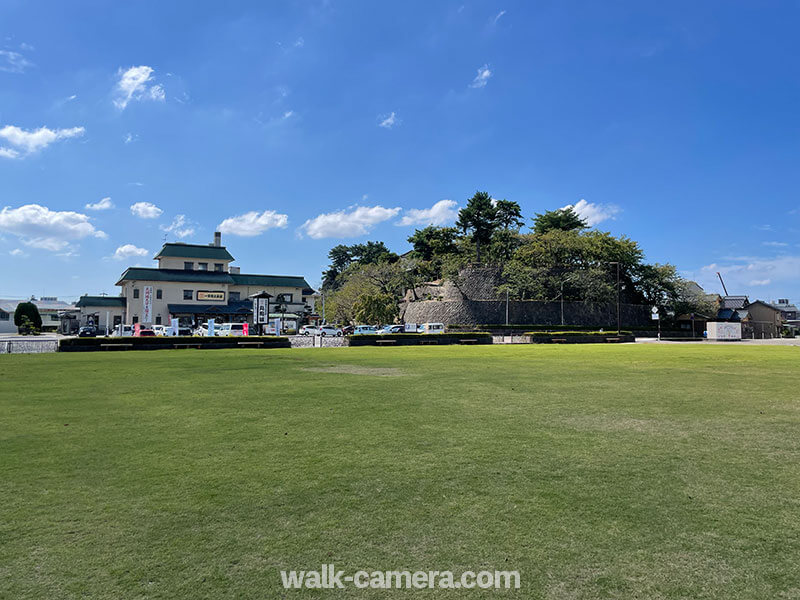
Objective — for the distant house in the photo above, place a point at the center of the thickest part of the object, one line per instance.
(766, 320)
(104, 312)
(49, 309)
(789, 311)
(733, 302)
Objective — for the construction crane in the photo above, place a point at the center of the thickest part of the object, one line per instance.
(723, 283)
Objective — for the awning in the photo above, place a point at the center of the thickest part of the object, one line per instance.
(244, 308)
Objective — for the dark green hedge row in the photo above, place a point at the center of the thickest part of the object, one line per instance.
(599, 338)
(416, 339)
(533, 327)
(607, 333)
(164, 343)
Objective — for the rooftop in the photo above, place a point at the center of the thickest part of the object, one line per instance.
(734, 302)
(108, 301)
(180, 275)
(181, 250)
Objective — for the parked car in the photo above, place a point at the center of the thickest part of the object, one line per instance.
(228, 329)
(182, 330)
(365, 330)
(147, 333)
(160, 329)
(122, 331)
(87, 331)
(309, 330)
(330, 330)
(393, 329)
(348, 330)
(431, 328)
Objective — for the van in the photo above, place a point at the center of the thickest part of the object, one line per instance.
(431, 328)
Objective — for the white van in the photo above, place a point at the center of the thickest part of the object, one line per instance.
(431, 328)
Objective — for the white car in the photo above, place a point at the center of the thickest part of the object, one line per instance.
(160, 329)
(431, 328)
(228, 329)
(309, 330)
(330, 330)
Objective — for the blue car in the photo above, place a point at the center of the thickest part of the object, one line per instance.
(365, 330)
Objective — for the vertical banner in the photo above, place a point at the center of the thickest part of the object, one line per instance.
(245, 329)
(260, 315)
(136, 329)
(147, 304)
(210, 328)
(173, 327)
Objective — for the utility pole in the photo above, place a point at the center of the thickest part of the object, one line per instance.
(323, 308)
(506, 307)
(616, 262)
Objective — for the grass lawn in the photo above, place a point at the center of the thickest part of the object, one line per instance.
(629, 471)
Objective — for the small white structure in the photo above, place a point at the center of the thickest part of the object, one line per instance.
(720, 330)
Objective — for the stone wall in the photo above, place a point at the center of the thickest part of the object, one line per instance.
(523, 312)
(310, 341)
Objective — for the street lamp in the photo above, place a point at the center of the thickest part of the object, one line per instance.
(618, 317)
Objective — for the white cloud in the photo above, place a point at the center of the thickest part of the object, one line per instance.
(288, 114)
(127, 251)
(180, 227)
(356, 221)
(146, 210)
(299, 43)
(39, 227)
(482, 78)
(130, 137)
(104, 204)
(499, 15)
(594, 213)
(389, 121)
(441, 213)
(27, 142)
(135, 84)
(13, 62)
(782, 272)
(253, 223)
(776, 244)
(17, 252)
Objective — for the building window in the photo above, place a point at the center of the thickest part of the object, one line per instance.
(54, 317)
(117, 320)
(234, 296)
(218, 267)
(188, 266)
(287, 298)
(3, 316)
(187, 294)
(158, 294)
(135, 319)
(158, 319)
(202, 266)
(135, 292)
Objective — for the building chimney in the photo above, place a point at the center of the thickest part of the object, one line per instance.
(217, 239)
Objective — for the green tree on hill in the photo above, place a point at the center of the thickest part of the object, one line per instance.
(479, 216)
(563, 219)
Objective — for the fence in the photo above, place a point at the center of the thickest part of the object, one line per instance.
(32, 346)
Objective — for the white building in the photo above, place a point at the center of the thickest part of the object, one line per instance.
(196, 282)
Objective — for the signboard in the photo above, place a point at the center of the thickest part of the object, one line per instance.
(245, 329)
(260, 315)
(654, 313)
(173, 327)
(210, 332)
(147, 304)
(211, 296)
(410, 328)
(136, 329)
(724, 331)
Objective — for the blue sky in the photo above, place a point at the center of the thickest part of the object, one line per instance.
(296, 126)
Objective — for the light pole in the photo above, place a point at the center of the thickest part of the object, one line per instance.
(561, 293)
(616, 262)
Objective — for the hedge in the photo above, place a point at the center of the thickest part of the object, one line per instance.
(612, 333)
(88, 344)
(416, 339)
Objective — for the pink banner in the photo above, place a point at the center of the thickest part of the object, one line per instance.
(246, 329)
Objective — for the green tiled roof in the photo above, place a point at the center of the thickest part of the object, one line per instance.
(147, 274)
(175, 250)
(269, 280)
(117, 301)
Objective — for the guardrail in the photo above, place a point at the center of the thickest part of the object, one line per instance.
(32, 346)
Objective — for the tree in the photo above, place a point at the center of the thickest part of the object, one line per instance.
(508, 214)
(478, 216)
(375, 308)
(563, 219)
(433, 242)
(26, 317)
(342, 256)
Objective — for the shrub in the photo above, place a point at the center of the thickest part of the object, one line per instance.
(166, 343)
(414, 339)
(27, 317)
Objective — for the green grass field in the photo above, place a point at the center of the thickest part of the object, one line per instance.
(597, 472)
